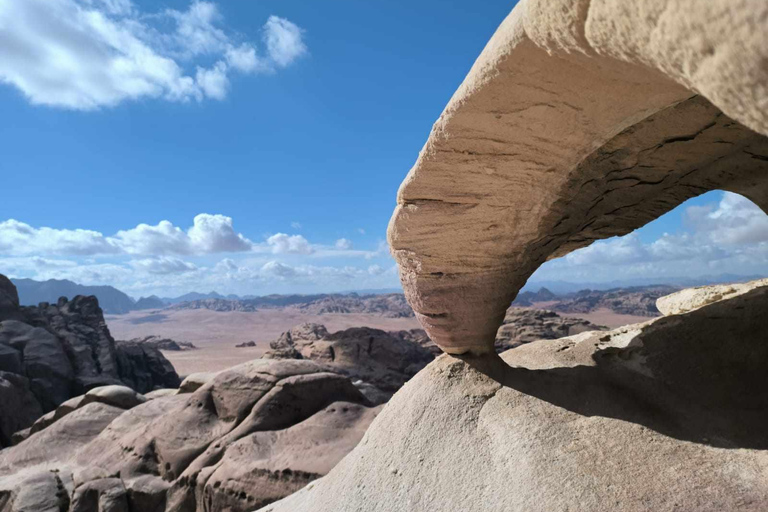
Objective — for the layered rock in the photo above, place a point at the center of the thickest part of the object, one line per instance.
(162, 343)
(666, 414)
(247, 436)
(59, 351)
(380, 362)
(580, 120)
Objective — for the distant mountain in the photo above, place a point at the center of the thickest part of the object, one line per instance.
(391, 305)
(111, 300)
(191, 296)
(151, 302)
(565, 287)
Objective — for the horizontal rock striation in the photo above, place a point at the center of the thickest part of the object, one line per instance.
(581, 120)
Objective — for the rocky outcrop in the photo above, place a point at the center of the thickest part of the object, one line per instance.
(372, 357)
(248, 436)
(59, 351)
(666, 414)
(526, 325)
(694, 298)
(581, 120)
(162, 343)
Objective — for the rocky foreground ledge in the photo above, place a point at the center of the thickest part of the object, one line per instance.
(669, 414)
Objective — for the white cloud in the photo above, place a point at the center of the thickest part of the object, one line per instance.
(284, 41)
(87, 54)
(209, 234)
(214, 82)
(296, 225)
(343, 244)
(163, 265)
(289, 244)
(18, 238)
(277, 269)
(730, 236)
(215, 233)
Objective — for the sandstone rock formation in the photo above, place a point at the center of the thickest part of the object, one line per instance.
(380, 362)
(248, 436)
(694, 298)
(53, 352)
(664, 415)
(581, 120)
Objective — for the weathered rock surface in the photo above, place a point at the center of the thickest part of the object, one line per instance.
(667, 414)
(580, 120)
(247, 436)
(371, 356)
(62, 350)
(694, 298)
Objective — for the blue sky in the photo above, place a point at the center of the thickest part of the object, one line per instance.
(246, 146)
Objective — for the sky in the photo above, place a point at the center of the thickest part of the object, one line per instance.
(256, 147)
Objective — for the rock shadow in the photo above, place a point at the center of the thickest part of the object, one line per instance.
(700, 377)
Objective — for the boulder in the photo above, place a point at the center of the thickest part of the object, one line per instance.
(195, 381)
(667, 414)
(160, 454)
(143, 367)
(580, 120)
(378, 358)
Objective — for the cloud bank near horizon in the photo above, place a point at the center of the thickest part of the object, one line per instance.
(726, 236)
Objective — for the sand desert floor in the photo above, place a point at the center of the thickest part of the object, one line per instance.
(216, 333)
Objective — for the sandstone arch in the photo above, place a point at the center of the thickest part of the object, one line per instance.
(580, 120)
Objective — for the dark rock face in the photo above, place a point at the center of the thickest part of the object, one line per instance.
(371, 356)
(62, 350)
(251, 435)
(18, 406)
(162, 343)
(526, 325)
(143, 367)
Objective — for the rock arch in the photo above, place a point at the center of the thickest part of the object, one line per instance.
(580, 120)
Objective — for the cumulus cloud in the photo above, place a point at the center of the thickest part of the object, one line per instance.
(277, 269)
(209, 234)
(18, 238)
(282, 243)
(343, 244)
(284, 41)
(87, 54)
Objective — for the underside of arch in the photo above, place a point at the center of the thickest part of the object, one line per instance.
(570, 129)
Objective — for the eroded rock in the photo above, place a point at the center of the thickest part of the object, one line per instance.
(580, 120)
(667, 414)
